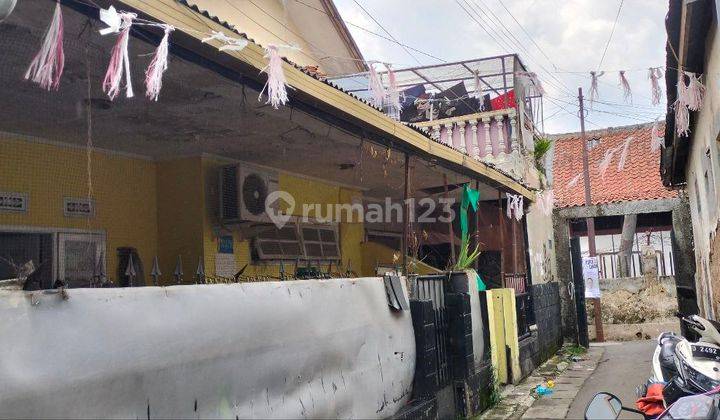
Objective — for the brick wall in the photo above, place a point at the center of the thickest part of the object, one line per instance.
(547, 340)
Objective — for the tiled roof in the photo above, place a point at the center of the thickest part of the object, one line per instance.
(639, 180)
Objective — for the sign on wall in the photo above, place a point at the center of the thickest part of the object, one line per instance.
(78, 207)
(591, 275)
(13, 201)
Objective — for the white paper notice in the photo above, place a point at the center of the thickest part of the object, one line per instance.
(225, 265)
(591, 275)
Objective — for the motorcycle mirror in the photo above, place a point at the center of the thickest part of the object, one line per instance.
(603, 406)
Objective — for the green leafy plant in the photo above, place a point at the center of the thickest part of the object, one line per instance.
(466, 258)
(542, 146)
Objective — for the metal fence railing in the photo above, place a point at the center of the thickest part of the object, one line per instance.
(523, 302)
(433, 288)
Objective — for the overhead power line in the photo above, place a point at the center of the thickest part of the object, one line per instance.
(612, 31)
(385, 30)
(364, 29)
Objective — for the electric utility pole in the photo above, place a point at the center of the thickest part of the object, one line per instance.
(597, 310)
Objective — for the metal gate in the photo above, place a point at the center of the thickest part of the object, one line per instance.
(433, 288)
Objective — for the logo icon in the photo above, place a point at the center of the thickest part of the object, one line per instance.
(272, 207)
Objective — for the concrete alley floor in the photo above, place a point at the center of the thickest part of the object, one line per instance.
(622, 367)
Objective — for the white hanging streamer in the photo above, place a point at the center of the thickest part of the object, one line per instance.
(656, 140)
(158, 65)
(625, 85)
(515, 203)
(375, 87)
(695, 91)
(545, 202)
(605, 162)
(393, 94)
(228, 43)
(654, 74)
(533, 79)
(478, 90)
(47, 66)
(574, 181)
(594, 86)
(276, 84)
(624, 154)
(681, 107)
(119, 58)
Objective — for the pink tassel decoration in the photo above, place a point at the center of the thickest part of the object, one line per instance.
(682, 114)
(158, 65)
(654, 74)
(695, 92)
(48, 64)
(624, 154)
(625, 85)
(276, 84)
(515, 206)
(594, 86)
(546, 202)
(120, 61)
(656, 140)
(395, 107)
(375, 87)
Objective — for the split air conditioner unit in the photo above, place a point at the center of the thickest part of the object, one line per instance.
(243, 190)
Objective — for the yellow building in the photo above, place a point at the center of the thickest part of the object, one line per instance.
(88, 183)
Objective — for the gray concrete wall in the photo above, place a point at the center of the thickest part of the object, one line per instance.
(635, 284)
(319, 348)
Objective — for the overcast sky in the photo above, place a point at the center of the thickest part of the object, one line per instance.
(572, 33)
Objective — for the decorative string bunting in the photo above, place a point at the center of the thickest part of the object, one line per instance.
(624, 150)
(625, 85)
(228, 43)
(655, 74)
(393, 94)
(375, 87)
(624, 154)
(158, 66)
(656, 141)
(119, 58)
(515, 206)
(47, 66)
(574, 181)
(276, 84)
(594, 86)
(546, 202)
(532, 78)
(689, 98)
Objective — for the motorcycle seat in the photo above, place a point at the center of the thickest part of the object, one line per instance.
(667, 356)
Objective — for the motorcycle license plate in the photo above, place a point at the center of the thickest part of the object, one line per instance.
(706, 352)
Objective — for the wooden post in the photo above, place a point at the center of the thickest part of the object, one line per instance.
(450, 224)
(597, 309)
(501, 224)
(406, 216)
(476, 237)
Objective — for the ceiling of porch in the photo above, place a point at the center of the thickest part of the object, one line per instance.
(199, 111)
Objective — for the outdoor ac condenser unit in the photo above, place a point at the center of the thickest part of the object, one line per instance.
(243, 190)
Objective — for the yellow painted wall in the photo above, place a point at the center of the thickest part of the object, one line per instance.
(124, 193)
(503, 334)
(498, 356)
(166, 208)
(304, 191)
(180, 212)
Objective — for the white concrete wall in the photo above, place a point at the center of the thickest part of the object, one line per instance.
(541, 246)
(319, 348)
(705, 157)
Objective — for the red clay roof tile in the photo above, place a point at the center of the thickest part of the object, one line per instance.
(639, 180)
